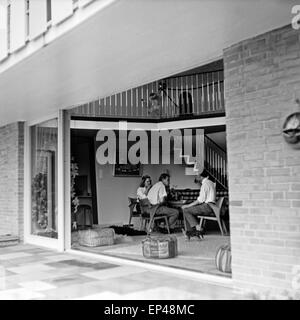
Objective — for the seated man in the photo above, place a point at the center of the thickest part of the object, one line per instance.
(157, 195)
(201, 206)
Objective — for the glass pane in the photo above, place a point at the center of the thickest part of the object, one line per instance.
(44, 179)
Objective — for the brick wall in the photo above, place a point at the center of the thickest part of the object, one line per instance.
(11, 179)
(262, 81)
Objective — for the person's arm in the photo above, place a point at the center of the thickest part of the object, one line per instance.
(200, 199)
(162, 194)
(140, 193)
(192, 204)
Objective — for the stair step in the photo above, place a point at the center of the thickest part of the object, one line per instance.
(8, 240)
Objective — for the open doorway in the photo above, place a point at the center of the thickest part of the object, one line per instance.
(84, 177)
(109, 188)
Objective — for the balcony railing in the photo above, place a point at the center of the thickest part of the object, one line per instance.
(174, 97)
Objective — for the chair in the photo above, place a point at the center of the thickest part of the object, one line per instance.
(148, 215)
(134, 210)
(84, 213)
(217, 211)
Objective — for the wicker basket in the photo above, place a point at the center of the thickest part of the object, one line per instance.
(223, 258)
(160, 247)
(96, 237)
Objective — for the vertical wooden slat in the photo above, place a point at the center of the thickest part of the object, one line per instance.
(112, 104)
(131, 103)
(37, 18)
(142, 100)
(202, 93)
(192, 93)
(147, 96)
(207, 91)
(197, 94)
(126, 101)
(180, 95)
(213, 92)
(219, 93)
(119, 112)
(176, 110)
(187, 93)
(173, 95)
(123, 109)
(109, 105)
(136, 101)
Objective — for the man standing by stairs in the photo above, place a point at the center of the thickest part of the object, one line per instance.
(201, 206)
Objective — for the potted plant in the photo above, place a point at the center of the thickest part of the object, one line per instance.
(74, 198)
(39, 202)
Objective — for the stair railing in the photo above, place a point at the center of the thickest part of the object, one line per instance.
(215, 161)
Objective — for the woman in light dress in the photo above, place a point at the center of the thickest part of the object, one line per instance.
(144, 187)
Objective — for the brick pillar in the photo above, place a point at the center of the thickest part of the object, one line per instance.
(262, 81)
(12, 179)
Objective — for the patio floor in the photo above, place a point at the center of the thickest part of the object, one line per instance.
(30, 272)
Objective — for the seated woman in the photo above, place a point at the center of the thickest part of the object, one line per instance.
(144, 187)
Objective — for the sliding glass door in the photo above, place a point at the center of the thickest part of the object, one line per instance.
(47, 183)
(44, 179)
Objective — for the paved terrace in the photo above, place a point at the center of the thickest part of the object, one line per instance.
(29, 272)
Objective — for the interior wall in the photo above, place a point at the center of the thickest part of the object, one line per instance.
(113, 192)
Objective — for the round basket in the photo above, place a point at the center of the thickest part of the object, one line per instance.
(291, 128)
(223, 258)
(96, 237)
(160, 247)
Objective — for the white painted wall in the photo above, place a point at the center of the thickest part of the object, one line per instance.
(113, 192)
(37, 18)
(18, 33)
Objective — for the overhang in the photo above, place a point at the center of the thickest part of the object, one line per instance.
(127, 44)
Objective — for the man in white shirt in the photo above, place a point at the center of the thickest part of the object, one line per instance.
(157, 195)
(201, 206)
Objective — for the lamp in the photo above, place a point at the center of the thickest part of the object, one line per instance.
(291, 128)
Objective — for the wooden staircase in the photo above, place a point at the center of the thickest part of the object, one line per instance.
(215, 162)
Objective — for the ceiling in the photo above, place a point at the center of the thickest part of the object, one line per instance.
(131, 43)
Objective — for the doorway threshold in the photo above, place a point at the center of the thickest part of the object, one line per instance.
(180, 272)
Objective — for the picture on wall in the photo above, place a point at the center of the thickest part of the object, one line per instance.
(127, 170)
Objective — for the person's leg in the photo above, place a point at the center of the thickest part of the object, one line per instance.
(190, 216)
(192, 222)
(171, 213)
(205, 210)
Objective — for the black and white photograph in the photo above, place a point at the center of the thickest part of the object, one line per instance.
(150, 151)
